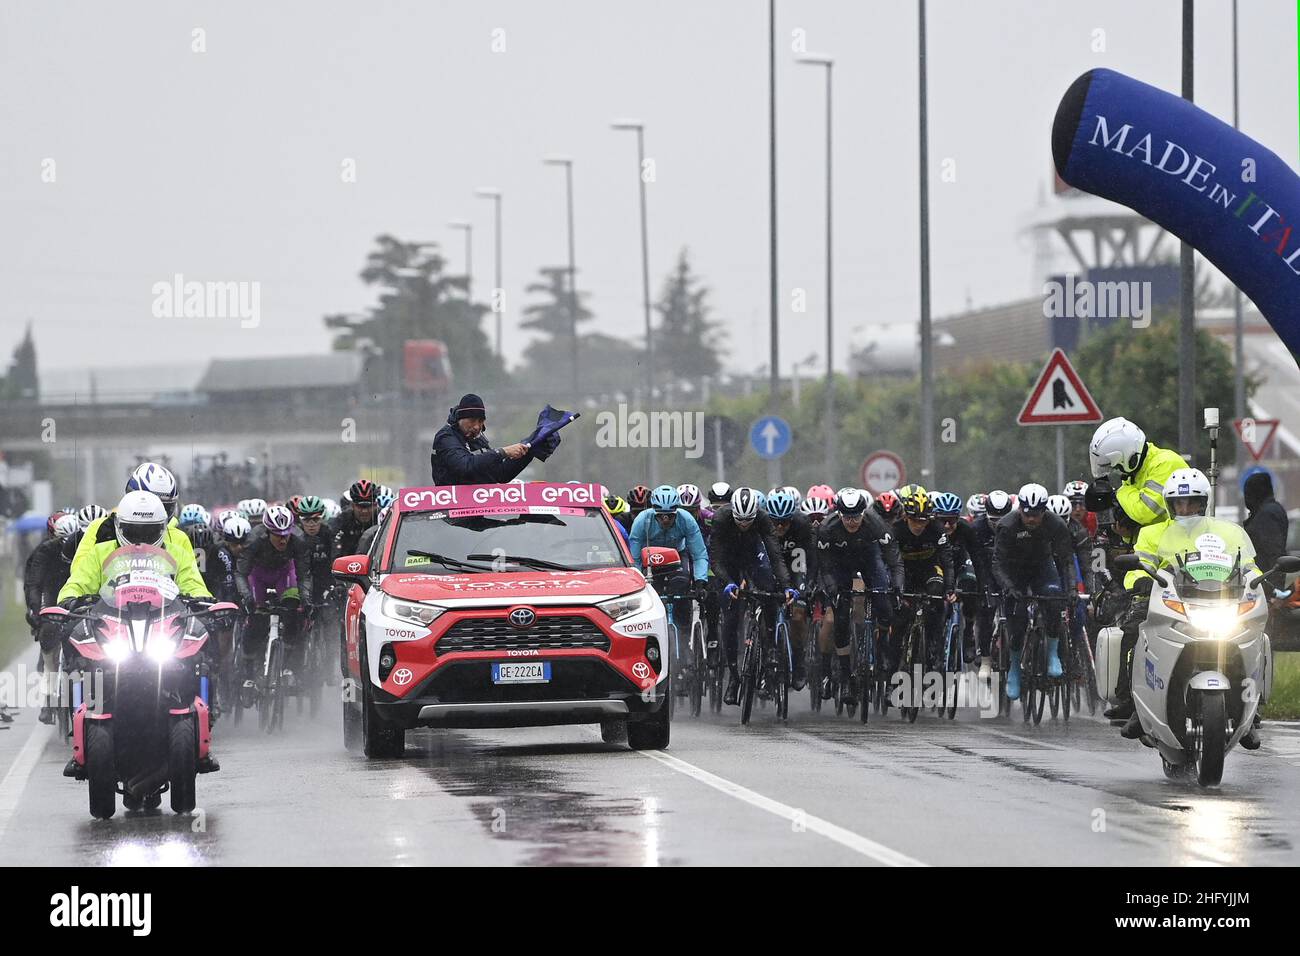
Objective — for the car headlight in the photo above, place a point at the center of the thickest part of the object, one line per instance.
(622, 607)
(421, 614)
(1214, 622)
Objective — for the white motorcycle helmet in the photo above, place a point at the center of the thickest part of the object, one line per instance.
(1116, 445)
(1187, 483)
(140, 518)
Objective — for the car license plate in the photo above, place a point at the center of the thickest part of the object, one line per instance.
(533, 672)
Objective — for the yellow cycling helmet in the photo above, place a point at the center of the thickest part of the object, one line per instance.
(915, 501)
(616, 506)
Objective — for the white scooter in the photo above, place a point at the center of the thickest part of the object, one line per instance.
(1202, 665)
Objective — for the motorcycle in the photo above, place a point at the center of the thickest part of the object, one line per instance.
(138, 648)
(1203, 663)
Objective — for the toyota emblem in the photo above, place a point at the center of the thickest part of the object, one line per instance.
(641, 670)
(354, 567)
(402, 676)
(522, 617)
(656, 558)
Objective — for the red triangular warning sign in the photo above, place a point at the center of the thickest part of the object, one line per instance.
(1059, 397)
(1256, 434)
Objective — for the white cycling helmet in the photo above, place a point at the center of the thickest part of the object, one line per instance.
(141, 518)
(851, 502)
(689, 494)
(89, 514)
(998, 503)
(1116, 445)
(798, 495)
(1075, 489)
(66, 525)
(236, 528)
(1032, 498)
(745, 504)
(815, 506)
(975, 504)
(1060, 506)
(332, 509)
(256, 508)
(1186, 483)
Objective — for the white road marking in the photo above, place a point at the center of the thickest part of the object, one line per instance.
(846, 838)
(15, 781)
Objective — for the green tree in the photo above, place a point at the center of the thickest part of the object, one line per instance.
(686, 340)
(22, 381)
(417, 300)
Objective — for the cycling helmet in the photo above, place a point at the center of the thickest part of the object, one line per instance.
(385, 498)
(89, 514)
(1059, 505)
(385, 490)
(256, 508)
(975, 504)
(1032, 498)
(997, 504)
(310, 506)
(781, 505)
(842, 490)
(616, 506)
(1117, 445)
(157, 480)
(332, 509)
(1187, 483)
(719, 493)
(888, 506)
(278, 520)
(815, 508)
(191, 514)
(346, 497)
(66, 525)
(946, 504)
(292, 503)
(200, 536)
(794, 493)
(915, 501)
(141, 518)
(762, 500)
(52, 520)
(852, 503)
(639, 497)
(363, 492)
(690, 495)
(825, 492)
(665, 499)
(236, 528)
(745, 504)
(1075, 490)
(223, 514)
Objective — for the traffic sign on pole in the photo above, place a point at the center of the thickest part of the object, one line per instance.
(1059, 397)
(882, 471)
(1256, 434)
(770, 436)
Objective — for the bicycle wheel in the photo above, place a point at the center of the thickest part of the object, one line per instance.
(814, 671)
(749, 667)
(954, 662)
(781, 675)
(1028, 685)
(698, 669)
(1069, 684)
(270, 706)
(1002, 661)
(862, 670)
(1040, 679)
(913, 652)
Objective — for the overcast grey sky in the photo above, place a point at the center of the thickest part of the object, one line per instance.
(225, 165)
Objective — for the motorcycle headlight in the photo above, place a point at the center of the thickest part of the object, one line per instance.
(622, 607)
(1214, 622)
(116, 651)
(161, 649)
(421, 614)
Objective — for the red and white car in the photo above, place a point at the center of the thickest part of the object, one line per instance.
(501, 606)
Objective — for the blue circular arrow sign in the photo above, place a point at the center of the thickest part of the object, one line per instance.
(770, 437)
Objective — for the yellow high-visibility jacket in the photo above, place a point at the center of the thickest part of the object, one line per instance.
(86, 576)
(1142, 495)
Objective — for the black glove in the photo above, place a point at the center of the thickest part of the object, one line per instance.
(546, 448)
(33, 619)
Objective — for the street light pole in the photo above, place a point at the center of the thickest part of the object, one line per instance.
(498, 292)
(828, 423)
(567, 163)
(639, 127)
(927, 341)
(468, 227)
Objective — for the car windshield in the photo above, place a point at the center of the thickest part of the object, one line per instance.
(505, 541)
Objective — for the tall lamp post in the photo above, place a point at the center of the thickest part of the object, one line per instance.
(567, 163)
(498, 292)
(639, 128)
(828, 422)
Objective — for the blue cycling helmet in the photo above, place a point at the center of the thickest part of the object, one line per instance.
(946, 504)
(761, 499)
(385, 498)
(191, 514)
(781, 505)
(665, 499)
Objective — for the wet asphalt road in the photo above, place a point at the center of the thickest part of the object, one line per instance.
(822, 790)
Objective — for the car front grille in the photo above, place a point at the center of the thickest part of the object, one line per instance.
(550, 632)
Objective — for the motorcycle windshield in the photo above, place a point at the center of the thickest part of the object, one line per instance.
(139, 574)
(1209, 576)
